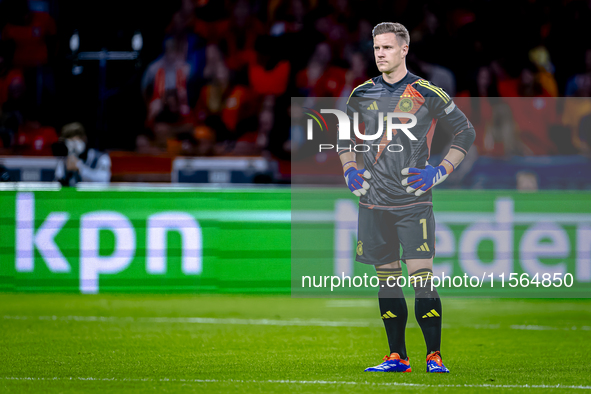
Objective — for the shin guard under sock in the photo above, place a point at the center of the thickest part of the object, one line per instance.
(427, 308)
(393, 310)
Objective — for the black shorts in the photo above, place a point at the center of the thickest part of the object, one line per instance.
(381, 233)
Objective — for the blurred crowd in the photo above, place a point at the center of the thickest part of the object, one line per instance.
(222, 82)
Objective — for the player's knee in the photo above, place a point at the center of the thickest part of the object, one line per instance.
(389, 266)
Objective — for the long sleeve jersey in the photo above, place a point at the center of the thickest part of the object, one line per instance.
(386, 158)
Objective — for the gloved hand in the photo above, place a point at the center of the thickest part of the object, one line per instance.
(356, 182)
(420, 181)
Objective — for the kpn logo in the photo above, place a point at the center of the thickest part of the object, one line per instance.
(92, 263)
(372, 116)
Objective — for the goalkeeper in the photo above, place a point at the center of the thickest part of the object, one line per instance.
(395, 207)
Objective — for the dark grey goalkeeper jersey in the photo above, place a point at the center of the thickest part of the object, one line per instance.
(386, 158)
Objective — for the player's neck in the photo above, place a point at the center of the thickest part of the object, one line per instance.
(395, 75)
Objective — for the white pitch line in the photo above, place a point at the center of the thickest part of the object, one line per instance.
(275, 322)
(197, 320)
(320, 382)
(545, 328)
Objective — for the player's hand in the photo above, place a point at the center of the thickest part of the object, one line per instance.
(356, 180)
(420, 181)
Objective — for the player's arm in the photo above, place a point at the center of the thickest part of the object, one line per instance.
(452, 118)
(355, 179)
(464, 135)
(452, 160)
(463, 131)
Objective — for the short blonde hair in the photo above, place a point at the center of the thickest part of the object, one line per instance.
(392, 27)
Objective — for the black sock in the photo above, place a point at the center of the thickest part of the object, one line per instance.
(393, 310)
(427, 308)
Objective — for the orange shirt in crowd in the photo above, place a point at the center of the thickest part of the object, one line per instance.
(330, 84)
(510, 88)
(272, 81)
(179, 96)
(534, 116)
(31, 47)
(35, 141)
(239, 56)
(231, 110)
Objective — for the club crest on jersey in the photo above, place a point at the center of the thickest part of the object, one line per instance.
(405, 105)
(359, 248)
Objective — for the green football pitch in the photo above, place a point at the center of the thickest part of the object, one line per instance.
(133, 343)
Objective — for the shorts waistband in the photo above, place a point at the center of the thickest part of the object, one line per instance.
(390, 207)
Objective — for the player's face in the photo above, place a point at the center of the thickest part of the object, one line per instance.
(389, 52)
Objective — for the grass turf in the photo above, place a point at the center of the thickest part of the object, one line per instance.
(487, 344)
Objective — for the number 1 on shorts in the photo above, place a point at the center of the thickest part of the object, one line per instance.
(424, 223)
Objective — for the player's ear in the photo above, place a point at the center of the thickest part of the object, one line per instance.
(404, 50)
